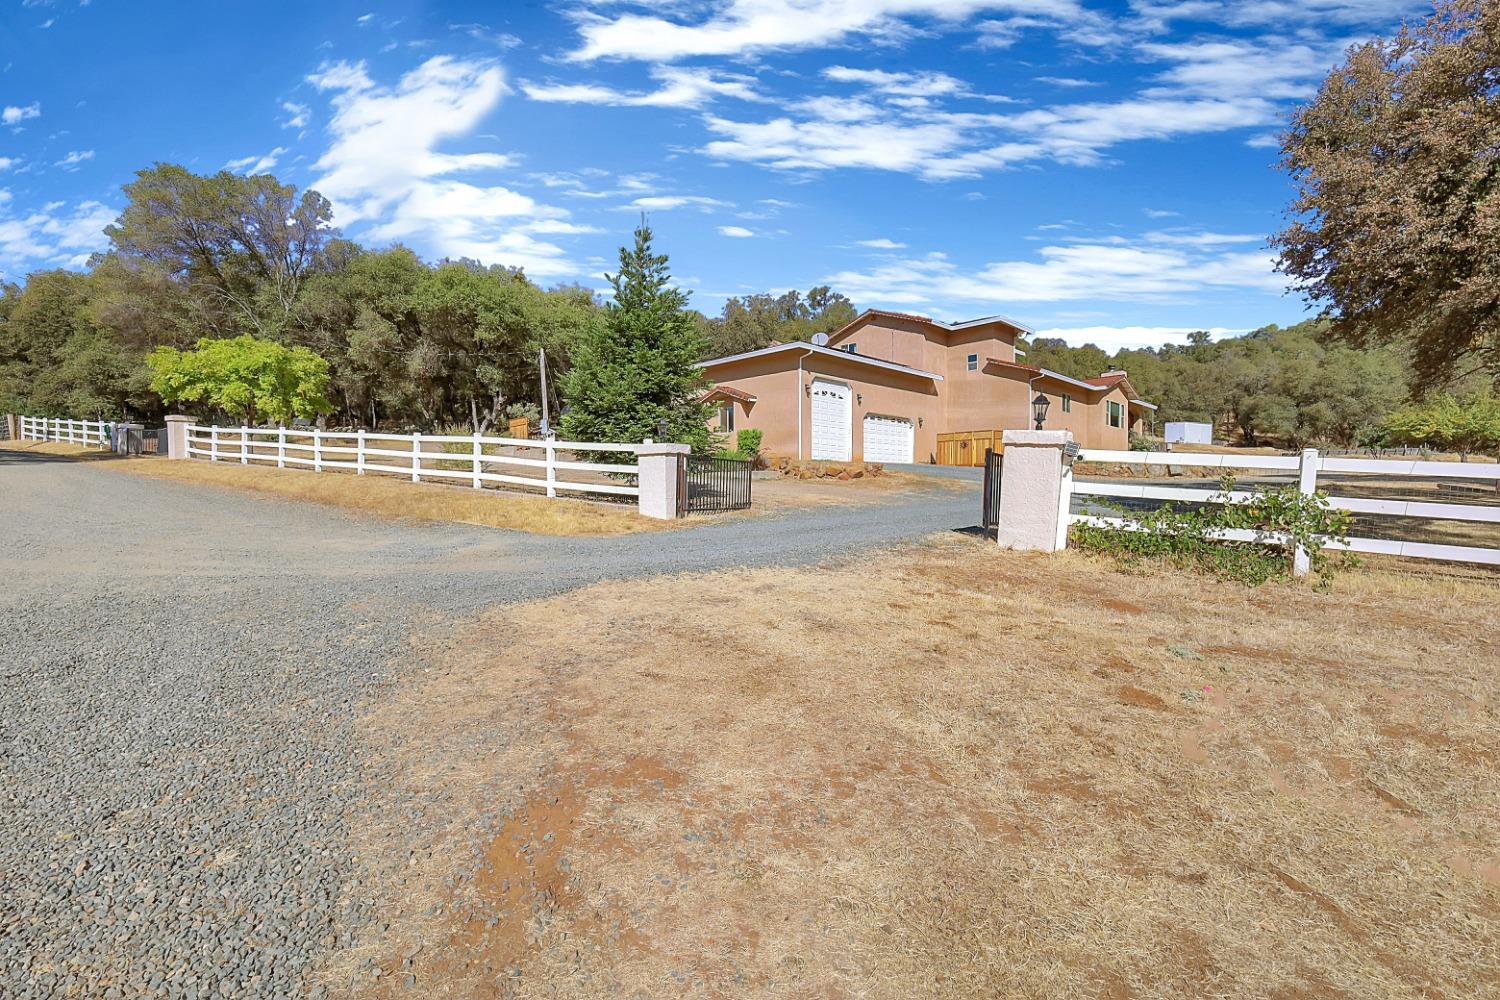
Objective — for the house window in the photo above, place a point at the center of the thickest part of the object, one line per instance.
(1067, 403)
(973, 362)
(851, 348)
(1116, 414)
(726, 417)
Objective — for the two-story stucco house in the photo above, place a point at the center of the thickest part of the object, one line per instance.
(887, 384)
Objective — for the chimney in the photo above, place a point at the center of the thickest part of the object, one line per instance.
(1113, 372)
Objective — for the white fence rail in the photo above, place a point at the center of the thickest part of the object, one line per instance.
(1308, 465)
(419, 456)
(84, 432)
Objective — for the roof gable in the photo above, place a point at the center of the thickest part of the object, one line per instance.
(924, 321)
(824, 351)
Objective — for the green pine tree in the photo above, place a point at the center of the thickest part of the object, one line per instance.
(637, 367)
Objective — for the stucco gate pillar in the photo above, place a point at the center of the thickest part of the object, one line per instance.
(177, 435)
(1035, 490)
(658, 479)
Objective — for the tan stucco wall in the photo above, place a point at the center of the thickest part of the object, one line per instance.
(902, 341)
(932, 349)
(780, 394)
(772, 380)
(1101, 435)
(1002, 401)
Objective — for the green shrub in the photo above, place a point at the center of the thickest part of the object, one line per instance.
(1140, 442)
(1282, 518)
(747, 443)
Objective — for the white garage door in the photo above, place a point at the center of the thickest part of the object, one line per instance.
(887, 439)
(830, 421)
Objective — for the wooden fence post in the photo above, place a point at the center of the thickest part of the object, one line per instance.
(1307, 485)
(551, 468)
(416, 457)
(244, 445)
(213, 444)
(281, 446)
(359, 452)
(477, 483)
(317, 450)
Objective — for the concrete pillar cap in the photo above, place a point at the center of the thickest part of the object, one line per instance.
(1036, 439)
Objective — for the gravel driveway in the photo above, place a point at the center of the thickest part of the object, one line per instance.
(182, 671)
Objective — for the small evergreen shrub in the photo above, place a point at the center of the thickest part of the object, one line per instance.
(747, 444)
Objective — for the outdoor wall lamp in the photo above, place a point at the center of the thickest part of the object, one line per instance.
(859, 398)
(661, 429)
(1039, 409)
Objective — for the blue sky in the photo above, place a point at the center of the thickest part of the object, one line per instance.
(1103, 172)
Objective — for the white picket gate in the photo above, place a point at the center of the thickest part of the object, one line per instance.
(418, 456)
(1308, 465)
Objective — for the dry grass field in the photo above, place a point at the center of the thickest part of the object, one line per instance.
(946, 772)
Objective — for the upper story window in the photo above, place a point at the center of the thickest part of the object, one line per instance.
(851, 348)
(726, 417)
(1116, 414)
(973, 362)
(1067, 403)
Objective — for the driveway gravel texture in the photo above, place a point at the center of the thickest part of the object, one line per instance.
(183, 671)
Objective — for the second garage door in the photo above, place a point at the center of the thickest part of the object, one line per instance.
(887, 439)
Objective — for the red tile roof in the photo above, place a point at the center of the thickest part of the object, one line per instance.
(1033, 369)
(727, 392)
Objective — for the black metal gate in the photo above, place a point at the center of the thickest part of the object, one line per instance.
(993, 461)
(711, 485)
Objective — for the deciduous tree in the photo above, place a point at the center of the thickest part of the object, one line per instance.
(1395, 230)
(244, 377)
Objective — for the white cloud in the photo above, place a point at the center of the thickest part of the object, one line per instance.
(51, 237)
(812, 144)
(1117, 338)
(881, 244)
(383, 167)
(1068, 82)
(667, 202)
(256, 164)
(7, 162)
(13, 115)
(679, 88)
(1269, 67)
(900, 122)
(1152, 268)
(72, 161)
(739, 27)
(298, 114)
(737, 232)
(921, 84)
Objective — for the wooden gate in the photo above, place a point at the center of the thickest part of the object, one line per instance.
(967, 447)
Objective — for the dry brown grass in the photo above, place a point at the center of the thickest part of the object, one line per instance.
(950, 772)
(61, 448)
(385, 496)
